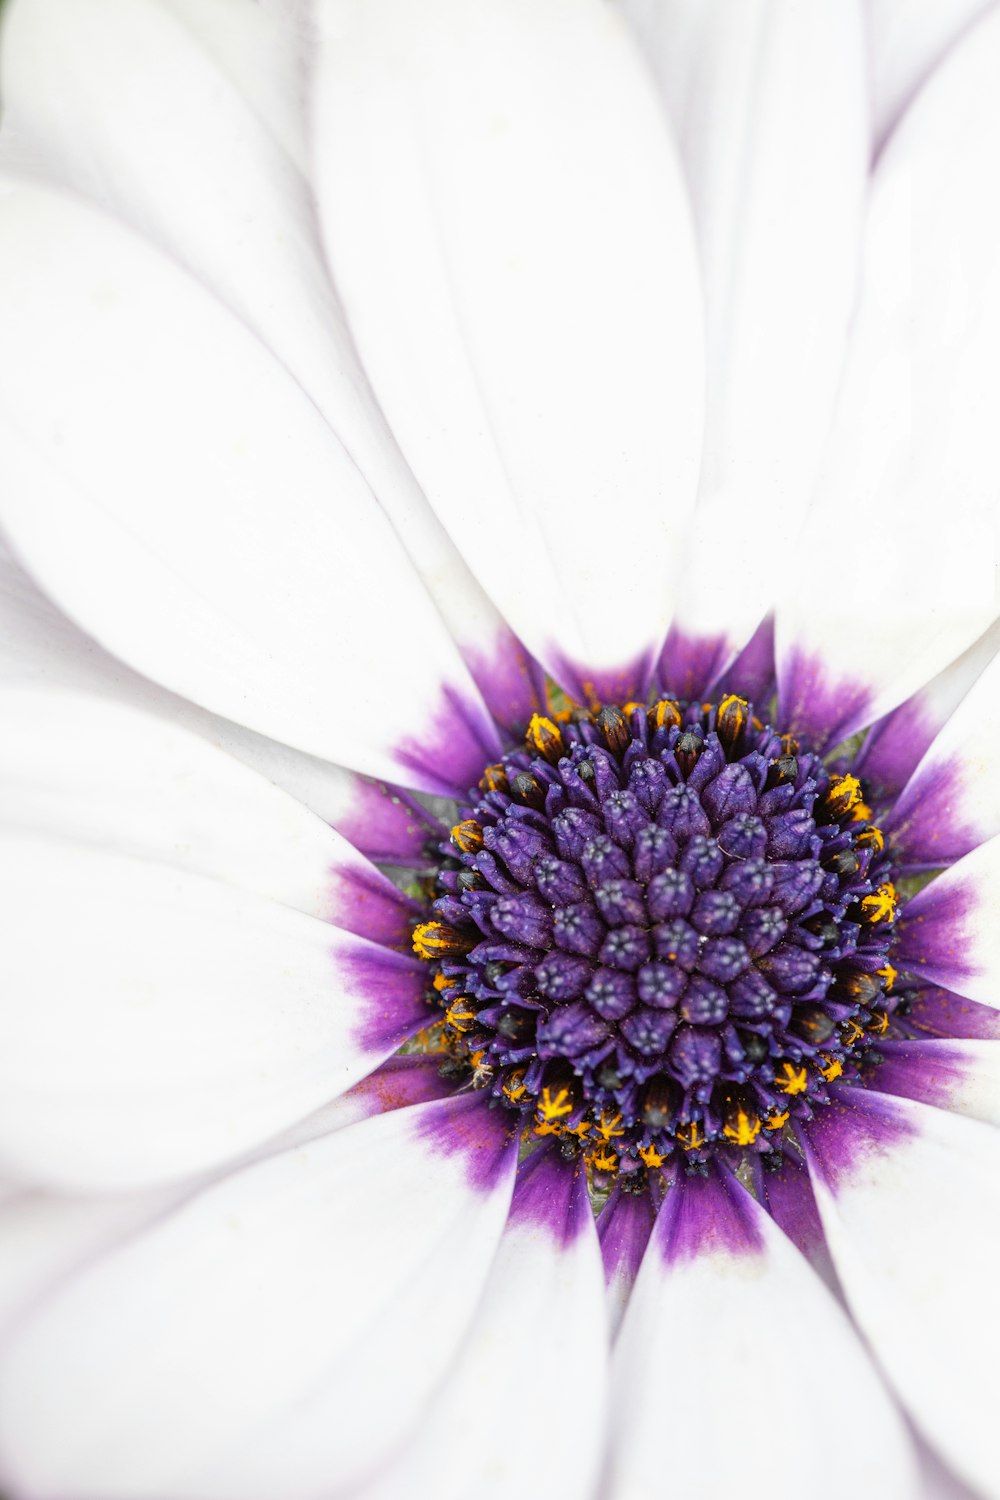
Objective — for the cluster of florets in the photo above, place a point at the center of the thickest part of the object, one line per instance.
(661, 929)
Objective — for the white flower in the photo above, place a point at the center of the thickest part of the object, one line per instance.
(353, 392)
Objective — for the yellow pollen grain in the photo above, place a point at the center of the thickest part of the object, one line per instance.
(467, 836)
(846, 791)
(829, 1067)
(743, 1129)
(889, 974)
(544, 737)
(792, 1080)
(554, 1107)
(442, 982)
(604, 1160)
(691, 1136)
(880, 906)
(777, 1119)
(650, 1157)
(860, 812)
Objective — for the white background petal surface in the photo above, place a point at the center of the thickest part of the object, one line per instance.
(507, 227)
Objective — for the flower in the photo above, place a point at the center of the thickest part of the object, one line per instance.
(366, 514)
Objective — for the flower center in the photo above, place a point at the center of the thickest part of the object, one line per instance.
(661, 930)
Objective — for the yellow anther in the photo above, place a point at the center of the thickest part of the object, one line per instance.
(860, 812)
(514, 1087)
(792, 1080)
(467, 836)
(665, 714)
(777, 1119)
(442, 982)
(789, 744)
(459, 1015)
(870, 837)
(879, 1023)
(742, 1128)
(545, 738)
(493, 779)
(731, 719)
(631, 706)
(843, 794)
(651, 1157)
(880, 906)
(851, 1032)
(889, 974)
(549, 1127)
(830, 1067)
(437, 940)
(554, 1107)
(608, 1126)
(603, 1159)
(691, 1136)
(581, 1128)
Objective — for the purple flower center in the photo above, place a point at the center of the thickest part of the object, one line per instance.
(662, 930)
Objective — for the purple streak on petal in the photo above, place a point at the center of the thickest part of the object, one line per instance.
(788, 1197)
(400, 1082)
(752, 674)
(702, 1215)
(811, 705)
(551, 1194)
(624, 1227)
(689, 663)
(895, 746)
(510, 680)
(368, 904)
(926, 824)
(393, 984)
(932, 942)
(613, 685)
(931, 1072)
(389, 826)
(938, 1012)
(455, 745)
(855, 1127)
(484, 1139)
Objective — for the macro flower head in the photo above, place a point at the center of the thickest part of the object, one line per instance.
(500, 746)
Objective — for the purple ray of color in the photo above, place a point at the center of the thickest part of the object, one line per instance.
(400, 1082)
(855, 1127)
(388, 825)
(702, 1215)
(752, 674)
(689, 664)
(939, 1012)
(789, 1198)
(551, 1194)
(931, 1071)
(926, 823)
(933, 934)
(611, 685)
(624, 1227)
(365, 902)
(510, 680)
(482, 1138)
(457, 742)
(393, 985)
(896, 745)
(814, 706)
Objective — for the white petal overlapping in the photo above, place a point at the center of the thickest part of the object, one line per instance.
(171, 554)
(727, 1317)
(231, 1346)
(482, 169)
(915, 419)
(912, 1219)
(772, 225)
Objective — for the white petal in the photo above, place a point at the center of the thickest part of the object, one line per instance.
(270, 1335)
(949, 933)
(248, 566)
(952, 801)
(895, 746)
(40, 646)
(507, 228)
(897, 568)
(910, 1200)
(778, 198)
(726, 1317)
(108, 777)
(157, 1022)
(525, 1400)
(908, 39)
(93, 84)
